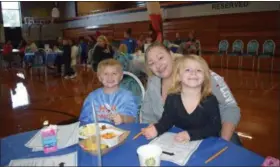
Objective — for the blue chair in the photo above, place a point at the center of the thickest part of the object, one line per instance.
(267, 55)
(217, 61)
(235, 56)
(268, 48)
(252, 48)
(223, 47)
(249, 57)
(133, 83)
(39, 61)
(237, 48)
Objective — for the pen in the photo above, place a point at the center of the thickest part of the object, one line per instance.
(168, 153)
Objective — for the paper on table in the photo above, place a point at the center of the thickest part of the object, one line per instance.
(67, 135)
(68, 160)
(182, 151)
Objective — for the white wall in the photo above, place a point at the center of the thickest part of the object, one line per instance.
(177, 12)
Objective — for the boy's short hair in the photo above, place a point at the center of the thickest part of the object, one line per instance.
(108, 62)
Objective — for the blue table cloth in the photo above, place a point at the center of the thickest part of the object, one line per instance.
(12, 147)
(50, 57)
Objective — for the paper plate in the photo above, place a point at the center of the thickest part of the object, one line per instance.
(89, 129)
(89, 144)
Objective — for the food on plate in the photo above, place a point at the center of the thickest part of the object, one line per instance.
(109, 135)
(103, 127)
(90, 145)
(87, 130)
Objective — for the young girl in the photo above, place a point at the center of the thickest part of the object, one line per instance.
(189, 104)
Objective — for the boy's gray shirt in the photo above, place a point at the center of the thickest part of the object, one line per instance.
(152, 106)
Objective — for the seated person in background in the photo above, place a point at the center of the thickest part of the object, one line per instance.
(189, 104)
(178, 40)
(148, 42)
(129, 42)
(112, 103)
(7, 53)
(56, 49)
(123, 49)
(191, 46)
(140, 42)
(32, 47)
(123, 57)
(102, 51)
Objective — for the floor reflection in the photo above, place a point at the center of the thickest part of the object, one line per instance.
(21, 75)
(19, 96)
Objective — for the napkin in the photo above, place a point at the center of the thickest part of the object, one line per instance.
(67, 135)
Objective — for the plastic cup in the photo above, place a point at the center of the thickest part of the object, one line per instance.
(149, 155)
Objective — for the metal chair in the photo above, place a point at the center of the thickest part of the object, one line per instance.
(250, 56)
(267, 55)
(133, 83)
(235, 55)
(39, 61)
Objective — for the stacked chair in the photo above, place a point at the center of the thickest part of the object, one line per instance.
(249, 60)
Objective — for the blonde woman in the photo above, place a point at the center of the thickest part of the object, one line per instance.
(190, 104)
(102, 51)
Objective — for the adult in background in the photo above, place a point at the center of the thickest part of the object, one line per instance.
(68, 71)
(102, 51)
(7, 54)
(21, 47)
(129, 41)
(140, 42)
(74, 55)
(160, 63)
(83, 51)
(178, 40)
(191, 46)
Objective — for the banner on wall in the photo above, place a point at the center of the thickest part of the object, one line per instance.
(216, 8)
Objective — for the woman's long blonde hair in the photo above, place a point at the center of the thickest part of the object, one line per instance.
(176, 86)
(103, 38)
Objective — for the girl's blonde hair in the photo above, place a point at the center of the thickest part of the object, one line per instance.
(123, 48)
(176, 86)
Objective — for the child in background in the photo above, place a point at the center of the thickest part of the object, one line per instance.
(189, 104)
(7, 53)
(112, 103)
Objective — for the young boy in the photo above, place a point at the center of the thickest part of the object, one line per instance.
(112, 103)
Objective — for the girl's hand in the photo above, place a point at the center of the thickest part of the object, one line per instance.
(182, 136)
(149, 132)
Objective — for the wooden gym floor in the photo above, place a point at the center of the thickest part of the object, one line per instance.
(59, 100)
